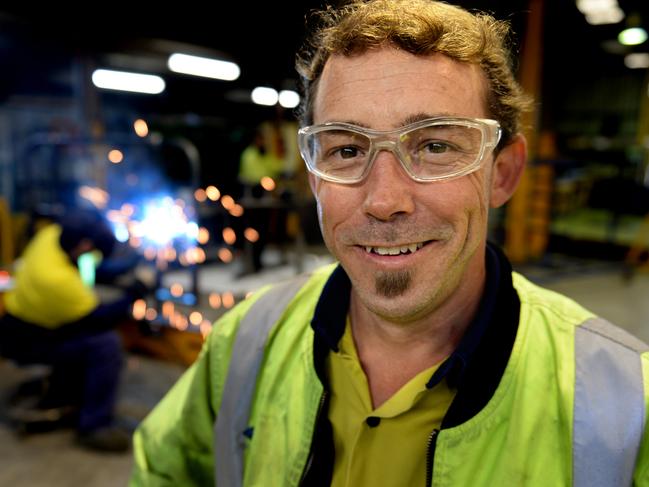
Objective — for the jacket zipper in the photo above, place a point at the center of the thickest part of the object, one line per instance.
(309, 460)
(430, 455)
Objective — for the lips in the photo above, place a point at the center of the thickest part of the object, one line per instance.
(396, 250)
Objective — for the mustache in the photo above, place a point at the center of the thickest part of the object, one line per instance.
(395, 232)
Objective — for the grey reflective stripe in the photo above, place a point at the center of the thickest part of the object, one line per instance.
(239, 387)
(609, 409)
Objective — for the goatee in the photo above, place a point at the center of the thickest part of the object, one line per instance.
(392, 284)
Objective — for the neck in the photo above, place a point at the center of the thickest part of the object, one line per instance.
(391, 353)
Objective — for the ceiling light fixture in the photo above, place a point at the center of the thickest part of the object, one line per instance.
(612, 16)
(632, 36)
(126, 81)
(637, 60)
(203, 66)
(599, 12)
(262, 95)
(289, 98)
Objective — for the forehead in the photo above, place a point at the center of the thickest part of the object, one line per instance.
(383, 88)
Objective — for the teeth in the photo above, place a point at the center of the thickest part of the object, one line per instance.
(404, 249)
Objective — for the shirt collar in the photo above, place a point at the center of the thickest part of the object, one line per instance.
(331, 311)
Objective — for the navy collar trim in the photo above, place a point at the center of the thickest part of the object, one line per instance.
(453, 367)
(331, 311)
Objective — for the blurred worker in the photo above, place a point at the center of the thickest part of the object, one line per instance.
(257, 161)
(54, 318)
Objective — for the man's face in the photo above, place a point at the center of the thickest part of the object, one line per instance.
(444, 222)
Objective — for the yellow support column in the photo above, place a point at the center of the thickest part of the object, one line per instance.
(517, 216)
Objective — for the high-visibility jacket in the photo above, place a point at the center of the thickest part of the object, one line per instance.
(48, 290)
(569, 409)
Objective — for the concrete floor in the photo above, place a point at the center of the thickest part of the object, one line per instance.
(606, 288)
(52, 459)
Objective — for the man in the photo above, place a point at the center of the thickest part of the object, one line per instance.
(54, 317)
(257, 161)
(420, 359)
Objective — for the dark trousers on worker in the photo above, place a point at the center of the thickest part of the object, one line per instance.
(86, 365)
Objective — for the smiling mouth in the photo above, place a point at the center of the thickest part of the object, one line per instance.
(398, 250)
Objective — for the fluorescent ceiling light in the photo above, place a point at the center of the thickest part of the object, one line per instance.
(632, 36)
(637, 60)
(203, 66)
(289, 98)
(263, 95)
(587, 6)
(612, 16)
(590, 6)
(600, 12)
(125, 81)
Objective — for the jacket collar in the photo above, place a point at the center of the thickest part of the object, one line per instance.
(479, 361)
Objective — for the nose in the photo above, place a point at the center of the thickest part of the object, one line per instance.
(388, 189)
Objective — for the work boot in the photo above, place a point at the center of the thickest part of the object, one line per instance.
(108, 438)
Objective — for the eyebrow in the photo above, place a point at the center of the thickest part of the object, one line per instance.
(416, 117)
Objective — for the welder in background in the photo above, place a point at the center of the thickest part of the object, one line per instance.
(53, 317)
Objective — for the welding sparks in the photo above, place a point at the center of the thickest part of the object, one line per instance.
(203, 235)
(97, 196)
(163, 222)
(215, 300)
(236, 210)
(228, 299)
(139, 309)
(268, 183)
(213, 193)
(141, 128)
(206, 328)
(195, 318)
(115, 156)
(229, 236)
(176, 290)
(228, 202)
(251, 234)
(225, 255)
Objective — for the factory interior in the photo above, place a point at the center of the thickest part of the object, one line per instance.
(165, 169)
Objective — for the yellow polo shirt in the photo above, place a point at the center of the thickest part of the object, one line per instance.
(390, 448)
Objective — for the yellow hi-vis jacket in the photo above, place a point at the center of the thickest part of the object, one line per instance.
(569, 409)
(48, 290)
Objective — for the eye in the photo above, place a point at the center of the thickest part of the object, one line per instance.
(435, 147)
(347, 152)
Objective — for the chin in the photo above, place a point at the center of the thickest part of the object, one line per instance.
(404, 308)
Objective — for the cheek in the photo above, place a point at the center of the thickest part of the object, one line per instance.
(464, 196)
(336, 201)
(333, 206)
(480, 191)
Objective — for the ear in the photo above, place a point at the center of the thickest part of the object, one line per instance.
(507, 171)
